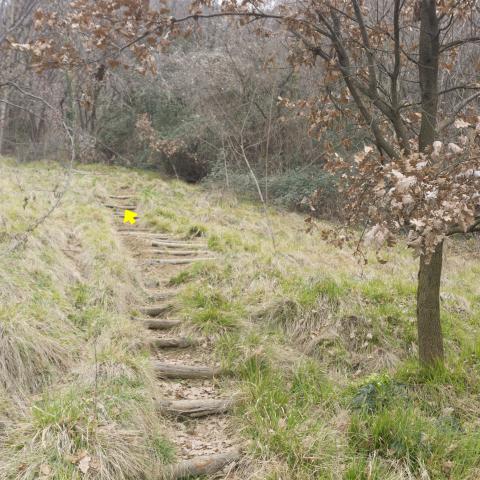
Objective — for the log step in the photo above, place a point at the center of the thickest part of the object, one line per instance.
(156, 310)
(158, 296)
(177, 261)
(128, 229)
(177, 253)
(121, 197)
(195, 408)
(159, 324)
(147, 233)
(176, 244)
(203, 465)
(179, 342)
(121, 207)
(173, 370)
(121, 215)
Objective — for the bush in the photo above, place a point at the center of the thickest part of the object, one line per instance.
(290, 189)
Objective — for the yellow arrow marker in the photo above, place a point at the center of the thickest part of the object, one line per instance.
(129, 216)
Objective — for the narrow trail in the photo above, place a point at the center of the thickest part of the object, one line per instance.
(188, 379)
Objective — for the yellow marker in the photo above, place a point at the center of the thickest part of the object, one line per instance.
(129, 216)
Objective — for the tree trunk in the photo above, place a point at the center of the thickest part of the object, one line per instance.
(428, 56)
(3, 119)
(430, 338)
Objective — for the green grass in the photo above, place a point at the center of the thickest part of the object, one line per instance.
(321, 348)
(210, 310)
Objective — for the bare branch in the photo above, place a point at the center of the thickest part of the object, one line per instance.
(457, 109)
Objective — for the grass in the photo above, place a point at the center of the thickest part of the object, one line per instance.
(322, 348)
(210, 310)
(75, 380)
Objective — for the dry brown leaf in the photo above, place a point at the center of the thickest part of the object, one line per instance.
(84, 464)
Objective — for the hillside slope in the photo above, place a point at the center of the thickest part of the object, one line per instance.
(321, 349)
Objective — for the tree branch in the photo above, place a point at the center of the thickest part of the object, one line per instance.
(451, 119)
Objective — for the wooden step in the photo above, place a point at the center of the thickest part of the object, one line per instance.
(128, 229)
(121, 197)
(178, 342)
(176, 261)
(158, 323)
(156, 310)
(122, 215)
(158, 296)
(177, 244)
(199, 466)
(195, 408)
(120, 207)
(173, 370)
(177, 253)
(144, 232)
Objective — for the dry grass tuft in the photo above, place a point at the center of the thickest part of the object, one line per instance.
(32, 351)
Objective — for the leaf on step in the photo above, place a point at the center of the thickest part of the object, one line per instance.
(45, 471)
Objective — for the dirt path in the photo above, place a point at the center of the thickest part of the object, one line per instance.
(195, 409)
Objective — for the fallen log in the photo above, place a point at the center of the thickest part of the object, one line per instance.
(180, 342)
(204, 465)
(195, 408)
(173, 370)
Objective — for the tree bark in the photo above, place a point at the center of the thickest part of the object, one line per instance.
(429, 53)
(430, 338)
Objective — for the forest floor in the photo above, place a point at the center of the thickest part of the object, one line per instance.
(312, 353)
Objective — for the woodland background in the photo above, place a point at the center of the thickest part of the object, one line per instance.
(338, 352)
(216, 97)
